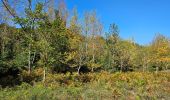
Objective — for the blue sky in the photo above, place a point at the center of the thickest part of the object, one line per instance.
(140, 19)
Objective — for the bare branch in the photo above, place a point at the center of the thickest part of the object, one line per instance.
(8, 8)
(12, 13)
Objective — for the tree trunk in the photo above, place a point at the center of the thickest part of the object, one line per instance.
(166, 67)
(29, 60)
(86, 45)
(45, 67)
(92, 69)
(78, 72)
(112, 62)
(33, 58)
(109, 60)
(44, 75)
(157, 69)
(93, 58)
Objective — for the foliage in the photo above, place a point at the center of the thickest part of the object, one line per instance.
(74, 58)
(135, 85)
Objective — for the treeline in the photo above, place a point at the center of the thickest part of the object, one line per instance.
(50, 37)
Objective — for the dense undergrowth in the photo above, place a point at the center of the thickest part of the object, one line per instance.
(94, 86)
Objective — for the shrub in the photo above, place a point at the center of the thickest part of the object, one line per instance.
(132, 85)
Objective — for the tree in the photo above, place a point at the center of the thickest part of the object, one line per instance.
(76, 55)
(7, 45)
(160, 52)
(63, 13)
(112, 40)
(95, 30)
(126, 55)
(27, 24)
(39, 37)
(143, 58)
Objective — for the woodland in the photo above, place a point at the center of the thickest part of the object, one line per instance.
(49, 52)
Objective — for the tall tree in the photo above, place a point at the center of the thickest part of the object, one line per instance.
(112, 40)
(95, 31)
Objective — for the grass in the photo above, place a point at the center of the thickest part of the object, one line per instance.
(94, 86)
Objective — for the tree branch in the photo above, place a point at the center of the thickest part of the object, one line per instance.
(8, 8)
(11, 12)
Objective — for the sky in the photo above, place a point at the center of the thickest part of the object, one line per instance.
(138, 19)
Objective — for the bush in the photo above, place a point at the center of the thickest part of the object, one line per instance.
(132, 85)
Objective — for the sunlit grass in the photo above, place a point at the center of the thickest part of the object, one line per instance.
(98, 86)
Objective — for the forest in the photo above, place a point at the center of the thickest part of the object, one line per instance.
(48, 52)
